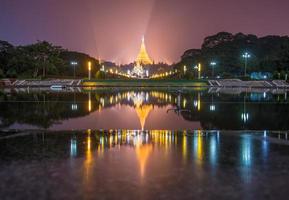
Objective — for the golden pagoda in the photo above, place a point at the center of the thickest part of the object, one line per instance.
(143, 57)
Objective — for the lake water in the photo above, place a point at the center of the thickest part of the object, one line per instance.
(144, 144)
(145, 109)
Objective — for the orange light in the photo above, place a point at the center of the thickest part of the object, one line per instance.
(89, 65)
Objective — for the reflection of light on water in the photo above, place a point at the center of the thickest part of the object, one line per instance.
(184, 145)
(212, 107)
(89, 102)
(74, 107)
(265, 134)
(142, 151)
(197, 103)
(265, 145)
(200, 146)
(245, 117)
(246, 157)
(88, 158)
(213, 150)
(246, 151)
(184, 103)
(73, 147)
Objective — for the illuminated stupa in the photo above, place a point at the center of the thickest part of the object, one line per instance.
(143, 57)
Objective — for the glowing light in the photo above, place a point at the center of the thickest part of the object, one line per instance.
(213, 63)
(73, 147)
(185, 68)
(265, 134)
(89, 102)
(246, 55)
(199, 101)
(184, 103)
(143, 57)
(184, 145)
(73, 63)
(143, 153)
(245, 117)
(199, 70)
(213, 150)
(89, 70)
(246, 151)
(212, 107)
(74, 107)
(195, 103)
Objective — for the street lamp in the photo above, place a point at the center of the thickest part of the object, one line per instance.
(199, 68)
(213, 64)
(89, 70)
(246, 56)
(102, 68)
(185, 69)
(73, 63)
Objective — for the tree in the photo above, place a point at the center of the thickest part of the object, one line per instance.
(33, 59)
(268, 54)
(6, 50)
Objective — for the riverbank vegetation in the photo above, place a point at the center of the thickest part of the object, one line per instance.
(268, 54)
(42, 60)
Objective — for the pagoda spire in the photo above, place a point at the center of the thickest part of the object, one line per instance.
(143, 57)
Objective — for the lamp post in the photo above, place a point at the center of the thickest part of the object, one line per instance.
(185, 69)
(89, 70)
(199, 70)
(213, 64)
(246, 56)
(73, 63)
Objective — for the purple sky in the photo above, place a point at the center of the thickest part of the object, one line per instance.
(112, 29)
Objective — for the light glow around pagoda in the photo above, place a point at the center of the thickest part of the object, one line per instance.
(143, 67)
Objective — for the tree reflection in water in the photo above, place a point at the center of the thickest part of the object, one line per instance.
(212, 110)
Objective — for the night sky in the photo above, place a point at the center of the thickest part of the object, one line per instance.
(112, 29)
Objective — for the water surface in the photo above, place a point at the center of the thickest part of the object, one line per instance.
(158, 143)
(145, 109)
(144, 165)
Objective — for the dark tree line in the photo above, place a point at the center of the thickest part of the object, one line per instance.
(41, 60)
(268, 54)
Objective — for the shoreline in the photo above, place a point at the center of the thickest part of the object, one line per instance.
(211, 84)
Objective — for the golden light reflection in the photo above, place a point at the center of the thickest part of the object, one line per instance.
(199, 147)
(89, 102)
(143, 152)
(184, 146)
(199, 101)
(143, 113)
(88, 158)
